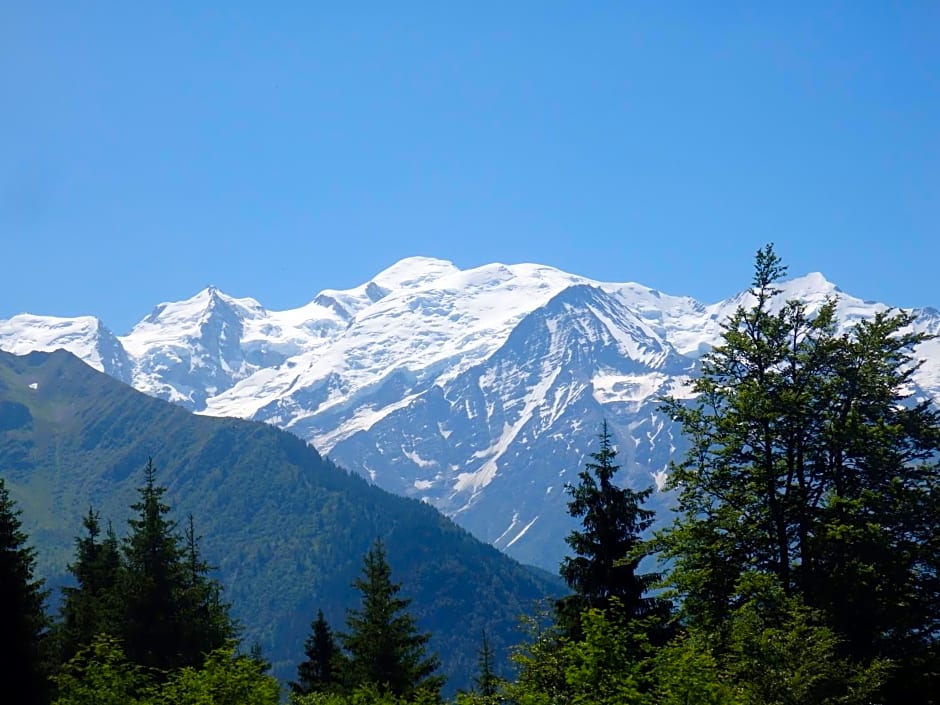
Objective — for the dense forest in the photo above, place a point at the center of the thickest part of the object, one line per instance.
(801, 565)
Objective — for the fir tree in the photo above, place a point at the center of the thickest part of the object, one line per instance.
(173, 614)
(609, 548)
(486, 681)
(207, 623)
(321, 670)
(93, 606)
(385, 648)
(22, 619)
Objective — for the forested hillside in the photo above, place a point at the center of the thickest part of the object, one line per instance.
(285, 528)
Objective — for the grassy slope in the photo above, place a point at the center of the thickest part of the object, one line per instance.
(286, 528)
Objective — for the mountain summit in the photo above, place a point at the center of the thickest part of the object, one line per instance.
(479, 391)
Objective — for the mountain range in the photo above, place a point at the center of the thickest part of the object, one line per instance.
(478, 391)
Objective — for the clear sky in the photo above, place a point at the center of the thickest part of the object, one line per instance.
(148, 149)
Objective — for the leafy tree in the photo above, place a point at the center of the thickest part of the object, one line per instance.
(540, 660)
(809, 463)
(100, 674)
(686, 672)
(384, 645)
(224, 679)
(23, 622)
(321, 670)
(602, 668)
(782, 654)
(609, 548)
(93, 606)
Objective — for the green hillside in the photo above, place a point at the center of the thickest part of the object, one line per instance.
(286, 528)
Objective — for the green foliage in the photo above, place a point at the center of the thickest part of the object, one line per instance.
(22, 619)
(226, 678)
(685, 672)
(602, 668)
(808, 464)
(780, 653)
(540, 662)
(367, 694)
(100, 674)
(384, 646)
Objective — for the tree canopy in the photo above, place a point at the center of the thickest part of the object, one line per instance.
(809, 463)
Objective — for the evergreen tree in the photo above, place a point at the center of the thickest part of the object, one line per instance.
(207, 623)
(385, 648)
(486, 681)
(809, 464)
(172, 612)
(92, 607)
(321, 670)
(22, 619)
(609, 548)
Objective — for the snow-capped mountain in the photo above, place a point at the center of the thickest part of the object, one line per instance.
(479, 391)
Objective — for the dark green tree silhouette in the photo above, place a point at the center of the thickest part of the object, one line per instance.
(23, 623)
(207, 623)
(321, 670)
(609, 547)
(486, 681)
(384, 646)
(172, 612)
(93, 606)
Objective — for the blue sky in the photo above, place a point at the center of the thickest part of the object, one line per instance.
(150, 149)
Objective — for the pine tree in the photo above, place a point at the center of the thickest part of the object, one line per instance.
(23, 622)
(320, 672)
(609, 548)
(486, 681)
(173, 614)
(207, 623)
(92, 607)
(384, 646)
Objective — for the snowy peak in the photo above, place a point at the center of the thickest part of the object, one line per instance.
(190, 350)
(193, 313)
(412, 273)
(85, 336)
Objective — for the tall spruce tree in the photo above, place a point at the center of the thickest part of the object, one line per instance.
(23, 622)
(93, 606)
(384, 646)
(810, 464)
(172, 614)
(486, 681)
(321, 670)
(609, 548)
(208, 624)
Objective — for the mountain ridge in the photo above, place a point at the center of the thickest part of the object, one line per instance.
(422, 378)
